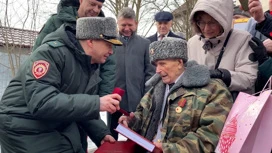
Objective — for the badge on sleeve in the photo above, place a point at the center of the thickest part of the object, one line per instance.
(40, 68)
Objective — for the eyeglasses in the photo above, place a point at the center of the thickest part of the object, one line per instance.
(211, 24)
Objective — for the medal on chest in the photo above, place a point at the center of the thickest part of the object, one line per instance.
(181, 104)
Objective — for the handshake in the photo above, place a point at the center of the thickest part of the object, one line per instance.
(111, 102)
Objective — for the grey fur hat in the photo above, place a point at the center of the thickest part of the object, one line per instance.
(168, 48)
(97, 28)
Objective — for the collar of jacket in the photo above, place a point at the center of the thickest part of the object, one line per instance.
(121, 37)
(77, 49)
(214, 42)
(68, 13)
(67, 36)
(195, 75)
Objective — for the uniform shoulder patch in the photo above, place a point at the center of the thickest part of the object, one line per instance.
(55, 44)
(40, 68)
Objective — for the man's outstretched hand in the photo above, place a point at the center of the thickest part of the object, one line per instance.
(110, 103)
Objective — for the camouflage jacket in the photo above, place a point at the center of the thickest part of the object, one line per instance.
(198, 126)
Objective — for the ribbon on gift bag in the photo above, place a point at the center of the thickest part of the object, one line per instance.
(248, 126)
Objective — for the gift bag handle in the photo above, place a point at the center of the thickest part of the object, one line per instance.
(267, 85)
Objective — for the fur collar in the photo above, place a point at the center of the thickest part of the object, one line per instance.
(195, 75)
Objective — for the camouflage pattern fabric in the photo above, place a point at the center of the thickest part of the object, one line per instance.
(197, 127)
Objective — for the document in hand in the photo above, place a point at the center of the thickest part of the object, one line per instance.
(140, 140)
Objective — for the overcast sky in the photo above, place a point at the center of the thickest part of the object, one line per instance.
(18, 11)
(17, 14)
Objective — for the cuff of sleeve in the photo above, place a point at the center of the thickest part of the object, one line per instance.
(260, 25)
(101, 137)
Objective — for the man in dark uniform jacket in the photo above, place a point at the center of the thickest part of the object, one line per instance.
(164, 23)
(54, 95)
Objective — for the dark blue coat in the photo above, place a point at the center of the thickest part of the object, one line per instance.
(265, 27)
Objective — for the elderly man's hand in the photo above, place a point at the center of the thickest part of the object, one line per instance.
(256, 10)
(126, 119)
(108, 138)
(110, 103)
(268, 45)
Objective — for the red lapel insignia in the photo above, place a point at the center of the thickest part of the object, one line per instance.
(40, 68)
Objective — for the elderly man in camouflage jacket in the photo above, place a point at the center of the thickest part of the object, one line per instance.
(187, 117)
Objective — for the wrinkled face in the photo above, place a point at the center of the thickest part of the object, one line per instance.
(169, 69)
(208, 26)
(89, 8)
(99, 50)
(126, 26)
(163, 27)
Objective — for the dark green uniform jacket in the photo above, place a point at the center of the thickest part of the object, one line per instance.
(50, 98)
(67, 13)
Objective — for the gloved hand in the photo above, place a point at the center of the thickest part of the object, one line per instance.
(259, 49)
(222, 74)
(216, 74)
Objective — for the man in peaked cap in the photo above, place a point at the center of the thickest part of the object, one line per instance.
(54, 96)
(185, 110)
(164, 21)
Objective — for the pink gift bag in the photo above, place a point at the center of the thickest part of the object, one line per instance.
(248, 128)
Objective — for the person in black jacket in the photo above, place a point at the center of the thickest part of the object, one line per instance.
(264, 20)
(54, 96)
(164, 23)
(263, 50)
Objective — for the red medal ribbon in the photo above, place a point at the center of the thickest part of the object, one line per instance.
(182, 102)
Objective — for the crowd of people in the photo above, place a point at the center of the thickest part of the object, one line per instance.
(178, 94)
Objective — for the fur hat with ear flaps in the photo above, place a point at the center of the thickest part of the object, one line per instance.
(168, 48)
(174, 48)
(104, 28)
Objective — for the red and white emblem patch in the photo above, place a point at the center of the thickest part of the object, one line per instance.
(40, 68)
